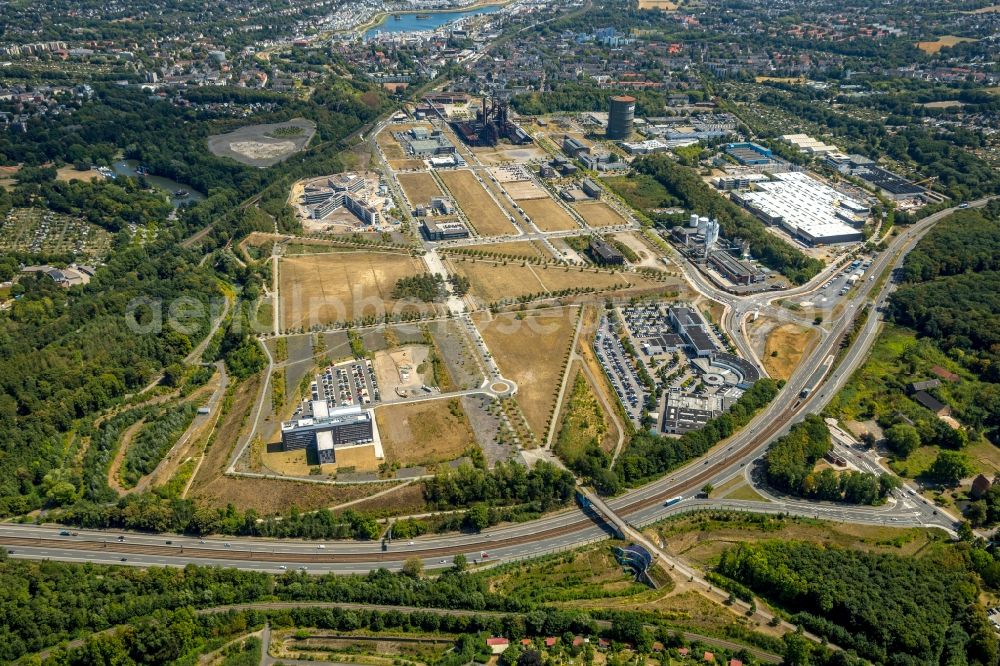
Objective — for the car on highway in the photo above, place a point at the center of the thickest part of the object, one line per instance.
(64, 533)
(169, 542)
(303, 568)
(124, 559)
(321, 547)
(228, 545)
(282, 567)
(121, 537)
(485, 556)
(964, 204)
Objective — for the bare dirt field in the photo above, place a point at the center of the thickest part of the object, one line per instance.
(263, 145)
(492, 281)
(530, 348)
(419, 188)
(525, 189)
(780, 346)
(648, 257)
(785, 347)
(397, 370)
(424, 433)
(476, 203)
(523, 154)
(548, 215)
(325, 288)
(599, 214)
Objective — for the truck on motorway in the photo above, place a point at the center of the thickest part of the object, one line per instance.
(673, 500)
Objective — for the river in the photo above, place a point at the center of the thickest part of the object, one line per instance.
(128, 168)
(408, 21)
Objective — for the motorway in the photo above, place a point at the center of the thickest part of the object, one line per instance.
(571, 527)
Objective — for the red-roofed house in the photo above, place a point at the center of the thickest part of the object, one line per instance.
(708, 657)
(657, 646)
(735, 662)
(497, 645)
(578, 641)
(683, 652)
(550, 641)
(526, 642)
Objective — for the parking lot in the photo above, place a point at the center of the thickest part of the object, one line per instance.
(840, 284)
(347, 384)
(620, 369)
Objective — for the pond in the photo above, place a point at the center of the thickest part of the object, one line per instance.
(413, 21)
(180, 193)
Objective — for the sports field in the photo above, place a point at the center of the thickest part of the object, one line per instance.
(419, 188)
(547, 214)
(599, 214)
(476, 203)
(324, 288)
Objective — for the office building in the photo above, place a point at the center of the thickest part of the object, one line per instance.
(604, 253)
(439, 231)
(325, 430)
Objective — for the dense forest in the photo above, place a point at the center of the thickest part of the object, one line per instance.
(890, 609)
(44, 603)
(790, 462)
(951, 295)
(67, 355)
(737, 224)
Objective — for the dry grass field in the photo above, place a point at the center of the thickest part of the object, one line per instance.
(494, 280)
(424, 433)
(476, 203)
(662, 5)
(270, 496)
(389, 145)
(325, 288)
(527, 249)
(72, 173)
(599, 214)
(530, 348)
(547, 214)
(785, 347)
(942, 42)
(406, 165)
(419, 188)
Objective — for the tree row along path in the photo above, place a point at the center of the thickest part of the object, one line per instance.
(761, 655)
